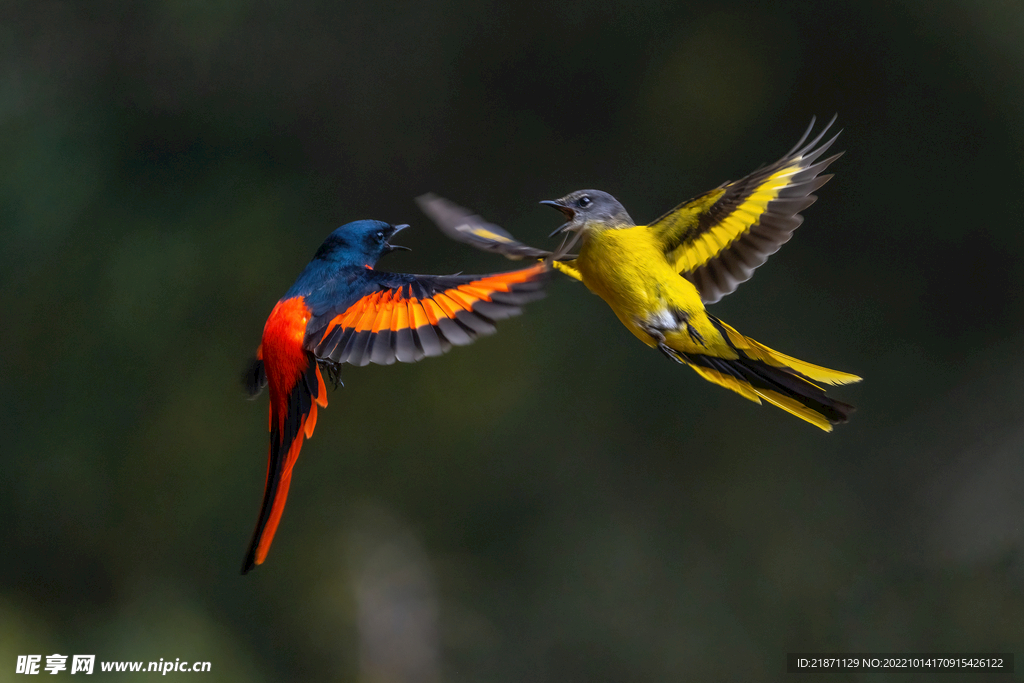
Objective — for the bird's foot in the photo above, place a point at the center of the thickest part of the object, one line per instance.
(333, 372)
(695, 335)
(669, 320)
(657, 333)
(671, 353)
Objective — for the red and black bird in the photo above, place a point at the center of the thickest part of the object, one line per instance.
(342, 310)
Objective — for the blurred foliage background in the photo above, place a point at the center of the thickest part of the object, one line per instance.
(557, 502)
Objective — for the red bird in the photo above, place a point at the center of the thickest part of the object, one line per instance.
(341, 310)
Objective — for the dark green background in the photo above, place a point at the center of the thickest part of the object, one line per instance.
(556, 503)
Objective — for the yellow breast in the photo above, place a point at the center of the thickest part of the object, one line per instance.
(628, 269)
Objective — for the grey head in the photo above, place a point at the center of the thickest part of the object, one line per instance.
(590, 210)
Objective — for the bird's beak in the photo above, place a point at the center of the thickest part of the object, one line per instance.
(394, 231)
(566, 211)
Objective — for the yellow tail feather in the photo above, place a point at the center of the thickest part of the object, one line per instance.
(758, 373)
(758, 351)
(748, 391)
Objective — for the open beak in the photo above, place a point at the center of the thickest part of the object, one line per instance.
(394, 231)
(566, 211)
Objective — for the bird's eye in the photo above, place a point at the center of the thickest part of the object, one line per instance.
(583, 202)
(380, 234)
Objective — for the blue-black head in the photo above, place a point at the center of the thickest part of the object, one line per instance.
(360, 243)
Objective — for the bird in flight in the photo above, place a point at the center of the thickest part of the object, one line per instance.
(343, 310)
(657, 278)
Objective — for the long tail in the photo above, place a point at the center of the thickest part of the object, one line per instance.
(292, 416)
(762, 373)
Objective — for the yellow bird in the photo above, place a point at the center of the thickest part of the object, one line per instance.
(658, 277)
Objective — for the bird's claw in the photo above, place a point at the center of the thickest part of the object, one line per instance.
(333, 372)
(671, 353)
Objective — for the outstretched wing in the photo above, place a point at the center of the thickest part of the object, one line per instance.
(717, 239)
(462, 225)
(414, 316)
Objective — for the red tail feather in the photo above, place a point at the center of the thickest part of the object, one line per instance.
(296, 389)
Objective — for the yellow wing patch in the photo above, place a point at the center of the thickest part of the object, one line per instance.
(567, 267)
(462, 225)
(484, 234)
(717, 239)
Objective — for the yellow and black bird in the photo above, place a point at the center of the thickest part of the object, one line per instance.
(658, 277)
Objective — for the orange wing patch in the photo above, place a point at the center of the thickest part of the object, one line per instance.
(426, 317)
